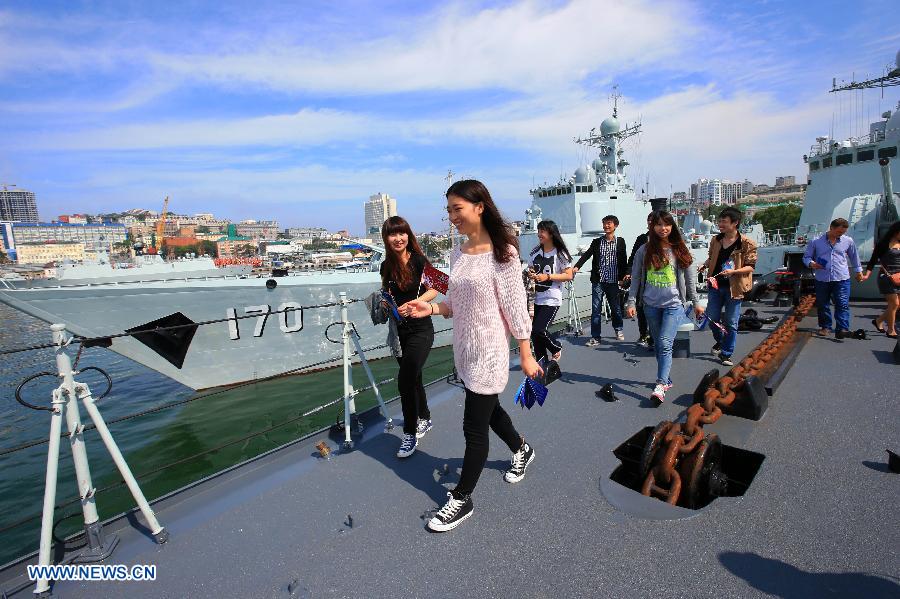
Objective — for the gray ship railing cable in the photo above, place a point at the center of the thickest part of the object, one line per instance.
(215, 449)
(298, 370)
(101, 338)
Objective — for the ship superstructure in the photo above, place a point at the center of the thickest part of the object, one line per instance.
(851, 179)
(578, 203)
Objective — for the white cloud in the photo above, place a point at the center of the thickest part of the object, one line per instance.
(520, 47)
(303, 128)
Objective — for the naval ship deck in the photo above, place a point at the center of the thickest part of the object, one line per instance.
(819, 520)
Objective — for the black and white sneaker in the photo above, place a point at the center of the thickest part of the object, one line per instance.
(716, 350)
(408, 447)
(422, 427)
(520, 461)
(726, 360)
(452, 514)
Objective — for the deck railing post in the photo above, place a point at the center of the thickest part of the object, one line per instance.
(65, 400)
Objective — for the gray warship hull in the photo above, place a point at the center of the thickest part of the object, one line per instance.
(259, 343)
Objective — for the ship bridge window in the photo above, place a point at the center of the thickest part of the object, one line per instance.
(814, 165)
(826, 162)
(864, 155)
(890, 152)
(569, 189)
(590, 188)
(843, 159)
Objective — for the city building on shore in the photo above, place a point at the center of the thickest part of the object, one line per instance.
(234, 245)
(17, 205)
(308, 233)
(378, 209)
(258, 229)
(94, 236)
(43, 253)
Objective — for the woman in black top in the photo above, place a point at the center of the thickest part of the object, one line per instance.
(401, 275)
(887, 253)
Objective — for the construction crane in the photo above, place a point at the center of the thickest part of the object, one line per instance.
(161, 225)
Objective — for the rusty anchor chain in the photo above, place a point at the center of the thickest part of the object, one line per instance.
(676, 453)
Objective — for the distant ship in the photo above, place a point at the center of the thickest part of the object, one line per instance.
(850, 179)
(578, 203)
(150, 267)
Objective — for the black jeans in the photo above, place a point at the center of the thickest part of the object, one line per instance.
(543, 316)
(483, 414)
(416, 342)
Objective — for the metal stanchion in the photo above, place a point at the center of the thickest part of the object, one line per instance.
(349, 393)
(350, 338)
(65, 399)
(573, 318)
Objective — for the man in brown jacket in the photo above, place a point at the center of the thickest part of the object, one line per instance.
(730, 266)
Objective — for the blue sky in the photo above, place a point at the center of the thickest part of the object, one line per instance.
(299, 111)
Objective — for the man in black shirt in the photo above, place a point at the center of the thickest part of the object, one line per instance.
(608, 268)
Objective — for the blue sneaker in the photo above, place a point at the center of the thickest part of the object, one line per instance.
(422, 427)
(408, 447)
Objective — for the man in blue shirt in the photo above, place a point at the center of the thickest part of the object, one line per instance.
(831, 256)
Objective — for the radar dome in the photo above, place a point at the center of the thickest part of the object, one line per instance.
(610, 125)
(581, 175)
(705, 227)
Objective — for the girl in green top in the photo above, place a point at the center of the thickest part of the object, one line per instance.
(664, 277)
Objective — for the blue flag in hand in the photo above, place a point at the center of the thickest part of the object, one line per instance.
(392, 305)
(531, 391)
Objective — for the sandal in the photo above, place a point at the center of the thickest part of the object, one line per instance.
(877, 328)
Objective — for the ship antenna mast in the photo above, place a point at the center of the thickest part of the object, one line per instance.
(615, 95)
(449, 180)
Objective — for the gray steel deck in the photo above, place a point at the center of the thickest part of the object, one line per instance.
(820, 519)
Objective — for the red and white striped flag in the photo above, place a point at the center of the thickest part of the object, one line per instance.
(435, 279)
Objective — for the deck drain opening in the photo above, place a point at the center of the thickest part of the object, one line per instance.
(712, 470)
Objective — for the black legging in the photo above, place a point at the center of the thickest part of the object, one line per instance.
(543, 316)
(416, 342)
(483, 414)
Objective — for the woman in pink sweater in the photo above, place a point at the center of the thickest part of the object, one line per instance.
(486, 299)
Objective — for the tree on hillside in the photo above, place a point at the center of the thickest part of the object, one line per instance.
(779, 217)
(3, 257)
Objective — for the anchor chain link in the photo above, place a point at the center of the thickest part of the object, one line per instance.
(681, 439)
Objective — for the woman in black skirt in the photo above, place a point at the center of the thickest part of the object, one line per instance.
(887, 254)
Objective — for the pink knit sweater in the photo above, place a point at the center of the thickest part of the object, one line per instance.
(487, 302)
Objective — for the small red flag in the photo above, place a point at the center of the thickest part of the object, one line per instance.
(435, 279)
(713, 282)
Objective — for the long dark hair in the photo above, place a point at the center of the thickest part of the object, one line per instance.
(885, 241)
(655, 256)
(501, 232)
(394, 269)
(550, 227)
